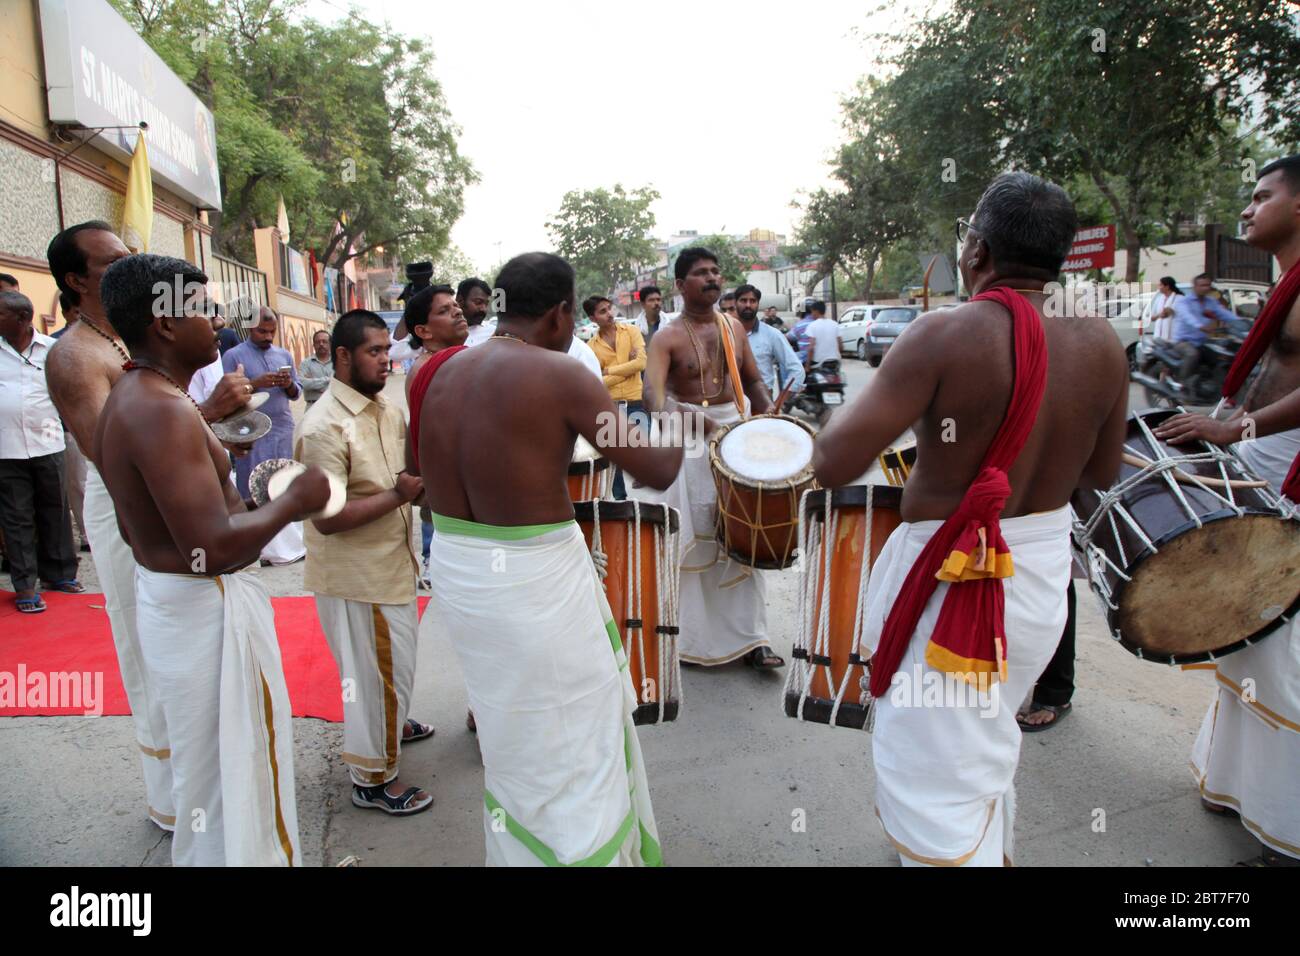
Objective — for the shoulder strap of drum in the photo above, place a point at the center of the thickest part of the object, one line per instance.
(729, 347)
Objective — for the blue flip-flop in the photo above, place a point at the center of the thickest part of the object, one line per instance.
(31, 605)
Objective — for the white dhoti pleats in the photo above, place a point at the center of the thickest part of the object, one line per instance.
(722, 604)
(210, 648)
(1247, 754)
(375, 648)
(945, 754)
(115, 567)
(548, 683)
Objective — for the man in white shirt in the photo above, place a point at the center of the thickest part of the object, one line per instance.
(34, 513)
(823, 336)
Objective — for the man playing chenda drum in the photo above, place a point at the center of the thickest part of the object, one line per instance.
(514, 584)
(723, 605)
(1012, 410)
(1247, 757)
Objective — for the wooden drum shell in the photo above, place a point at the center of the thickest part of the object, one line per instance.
(616, 532)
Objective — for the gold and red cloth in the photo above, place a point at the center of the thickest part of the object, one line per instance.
(968, 551)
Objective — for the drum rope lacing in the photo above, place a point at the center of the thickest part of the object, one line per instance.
(817, 544)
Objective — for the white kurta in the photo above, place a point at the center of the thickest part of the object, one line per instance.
(564, 782)
(723, 605)
(210, 648)
(115, 566)
(1247, 754)
(945, 761)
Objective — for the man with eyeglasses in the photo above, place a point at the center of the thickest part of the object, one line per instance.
(33, 502)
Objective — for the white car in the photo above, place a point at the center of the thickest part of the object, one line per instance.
(855, 325)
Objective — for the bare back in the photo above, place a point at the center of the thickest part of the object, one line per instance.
(82, 369)
(950, 377)
(497, 431)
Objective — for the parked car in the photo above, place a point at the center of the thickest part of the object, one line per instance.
(584, 329)
(859, 325)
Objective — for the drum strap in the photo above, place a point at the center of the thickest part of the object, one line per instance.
(729, 348)
(968, 550)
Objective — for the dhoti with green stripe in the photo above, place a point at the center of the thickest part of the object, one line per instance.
(548, 683)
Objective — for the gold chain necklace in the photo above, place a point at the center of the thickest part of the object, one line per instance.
(699, 356)
(509, 335)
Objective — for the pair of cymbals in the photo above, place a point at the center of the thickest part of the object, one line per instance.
(246, 425)
(270, 479)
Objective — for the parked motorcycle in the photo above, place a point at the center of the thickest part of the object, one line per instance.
(1158, 365)
(823, 389)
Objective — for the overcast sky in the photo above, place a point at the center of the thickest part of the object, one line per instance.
(728, 108)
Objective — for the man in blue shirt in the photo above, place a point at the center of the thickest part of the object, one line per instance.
(798, 335)
(270, 369)
(1194, 316)
(776, 359)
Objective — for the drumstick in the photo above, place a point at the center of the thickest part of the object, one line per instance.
(1137, 461)
(780, 399)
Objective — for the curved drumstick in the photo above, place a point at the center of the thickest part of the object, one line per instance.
(1138, 461)
(780, 399)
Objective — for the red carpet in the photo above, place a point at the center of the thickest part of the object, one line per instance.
(73, 636)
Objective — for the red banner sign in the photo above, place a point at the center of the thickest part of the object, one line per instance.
(1094, 248)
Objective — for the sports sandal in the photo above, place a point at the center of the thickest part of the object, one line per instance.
(419, 731)
(378, 798)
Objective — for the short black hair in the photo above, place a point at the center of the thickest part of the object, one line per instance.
(65, 255)
(65, 302)
(350, 330)
(687, 258)
(818, 306)
(13, 281)
(533, 283)
(747, 288)
(592, 302)
(319, 332)
(469, 285)
(129, 291)
(649, 290)
(1289, 167)
(417, 309)
(11, 300)
(728, 297)
(1028, 223)
(1203, 275)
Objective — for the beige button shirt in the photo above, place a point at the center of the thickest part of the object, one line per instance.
(362, 441)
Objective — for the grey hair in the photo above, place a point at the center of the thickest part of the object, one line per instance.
(1028, 223)
(14, 301)
(137, 288)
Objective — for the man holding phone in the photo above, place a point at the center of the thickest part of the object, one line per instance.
(269, 369)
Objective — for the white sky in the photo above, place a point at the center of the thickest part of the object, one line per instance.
(741, 100)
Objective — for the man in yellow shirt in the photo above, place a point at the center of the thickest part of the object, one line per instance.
(621, 351)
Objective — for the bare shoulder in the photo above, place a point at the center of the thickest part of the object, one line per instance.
(75, 358)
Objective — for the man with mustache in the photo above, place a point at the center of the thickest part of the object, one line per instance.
(688, 371)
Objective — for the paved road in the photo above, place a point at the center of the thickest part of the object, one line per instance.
(728, 779)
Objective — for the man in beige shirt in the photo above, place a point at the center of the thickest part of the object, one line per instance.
(360, 564)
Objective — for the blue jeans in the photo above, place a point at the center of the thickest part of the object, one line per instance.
(637, 416)
(426, 538)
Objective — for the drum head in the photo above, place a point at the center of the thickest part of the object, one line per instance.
(280, 481)
(767, 449)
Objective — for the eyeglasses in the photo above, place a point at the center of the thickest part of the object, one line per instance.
(963, 229)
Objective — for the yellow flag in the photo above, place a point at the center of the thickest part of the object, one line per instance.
(137, 214)
(282, 221)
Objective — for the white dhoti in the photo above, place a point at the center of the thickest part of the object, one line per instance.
(287, 546)
(548, 683)
(945, 754)
(115, 566)
(375, 647)
(1247, 754)
(722, 605)
(211, 652)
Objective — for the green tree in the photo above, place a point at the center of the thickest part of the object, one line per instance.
(605, 235)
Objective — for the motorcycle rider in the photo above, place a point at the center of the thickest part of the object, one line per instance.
(823, 337)
(1194, 316)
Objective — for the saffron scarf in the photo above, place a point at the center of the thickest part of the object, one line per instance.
(1262, 334)
(968, 550)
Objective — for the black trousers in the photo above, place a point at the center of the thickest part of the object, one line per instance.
(1055, 686)
(35, 521)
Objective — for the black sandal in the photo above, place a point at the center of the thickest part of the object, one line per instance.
(764, 659)
(1058, 714)
(378, 798)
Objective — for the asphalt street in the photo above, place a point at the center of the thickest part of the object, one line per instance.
(731, 779)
